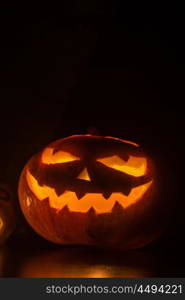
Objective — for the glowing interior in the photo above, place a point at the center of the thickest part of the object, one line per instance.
(95, 200)
(135, 166)
(84, 175)
(59, 157)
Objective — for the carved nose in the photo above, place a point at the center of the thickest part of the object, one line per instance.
(84, 175)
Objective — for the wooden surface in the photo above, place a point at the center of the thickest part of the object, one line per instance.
(37, 258)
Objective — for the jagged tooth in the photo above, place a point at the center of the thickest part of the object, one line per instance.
(126, 191)
(117, 208)
(45, 202)
(91, 212)
(106, 195)
(65, 210)
(80, 195)
(124, 156)
(59, 191)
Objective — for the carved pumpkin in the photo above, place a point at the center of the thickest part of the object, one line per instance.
(92, 190)
(7, 215)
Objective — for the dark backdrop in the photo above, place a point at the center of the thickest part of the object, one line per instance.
(95, 64)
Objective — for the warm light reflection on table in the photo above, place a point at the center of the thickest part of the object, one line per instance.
(27, 257)
(85, 263)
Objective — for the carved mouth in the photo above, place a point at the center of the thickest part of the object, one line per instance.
(100, 202)
(81, 188)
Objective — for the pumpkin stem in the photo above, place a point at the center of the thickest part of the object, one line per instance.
(93, 130)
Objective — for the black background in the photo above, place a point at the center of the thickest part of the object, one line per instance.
(96, 64)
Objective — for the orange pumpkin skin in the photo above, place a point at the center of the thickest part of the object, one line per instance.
(92, 190)
(7, 214)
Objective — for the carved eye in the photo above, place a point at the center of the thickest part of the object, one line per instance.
(59, 157)
(135, 166)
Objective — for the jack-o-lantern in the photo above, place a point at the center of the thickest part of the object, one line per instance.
(7, 214)
(91, 190)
